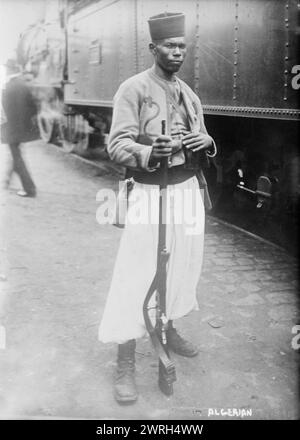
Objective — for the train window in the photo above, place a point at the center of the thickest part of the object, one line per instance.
(95, 52)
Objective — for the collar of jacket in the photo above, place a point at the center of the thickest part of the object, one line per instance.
(187, 99)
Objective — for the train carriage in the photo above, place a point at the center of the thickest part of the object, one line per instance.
(242, 62)
(242, 58)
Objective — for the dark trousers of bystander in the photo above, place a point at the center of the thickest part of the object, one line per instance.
(20, 168)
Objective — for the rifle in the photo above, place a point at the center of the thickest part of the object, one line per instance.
(166, 370)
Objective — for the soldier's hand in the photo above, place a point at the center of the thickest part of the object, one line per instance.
(197, 141)
(161, 147)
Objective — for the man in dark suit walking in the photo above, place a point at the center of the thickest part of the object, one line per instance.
(19, 107)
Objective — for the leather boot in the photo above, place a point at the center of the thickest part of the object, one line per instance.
(125, 390)
(179, 345)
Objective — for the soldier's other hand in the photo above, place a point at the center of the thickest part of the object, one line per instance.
(197, 141)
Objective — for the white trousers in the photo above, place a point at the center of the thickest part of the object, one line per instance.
(136, 260)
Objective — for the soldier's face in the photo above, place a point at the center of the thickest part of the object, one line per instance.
(169, 53)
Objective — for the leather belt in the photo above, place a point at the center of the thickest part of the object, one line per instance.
(177, 174)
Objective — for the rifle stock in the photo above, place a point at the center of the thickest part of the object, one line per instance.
(166, 368)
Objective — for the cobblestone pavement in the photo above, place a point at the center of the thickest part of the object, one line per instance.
(58, 263)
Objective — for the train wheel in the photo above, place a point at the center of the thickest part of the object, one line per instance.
(46, 126)
(75, 133)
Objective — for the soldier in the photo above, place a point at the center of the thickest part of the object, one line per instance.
(136, 142)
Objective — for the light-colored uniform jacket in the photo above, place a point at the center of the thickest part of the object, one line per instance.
(140, 104)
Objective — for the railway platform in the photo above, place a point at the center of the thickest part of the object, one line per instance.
(56, 266)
